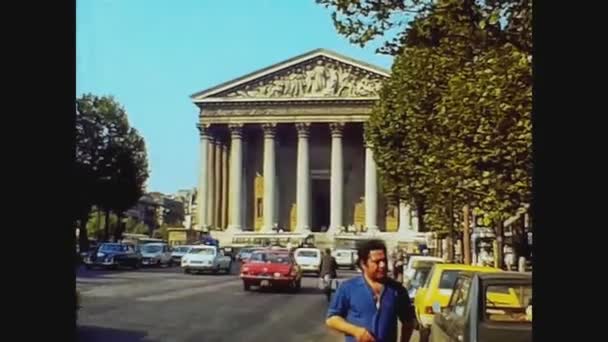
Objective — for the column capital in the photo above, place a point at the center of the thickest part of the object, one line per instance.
(236, 131)
(303, 129)
(270, 129)
(337, 129)
(204, 130)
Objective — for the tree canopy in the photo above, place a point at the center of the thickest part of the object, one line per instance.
(453, 124)
(111, 159)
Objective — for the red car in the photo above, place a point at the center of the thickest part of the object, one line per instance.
(271, 268)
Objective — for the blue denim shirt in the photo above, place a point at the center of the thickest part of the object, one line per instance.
(354, 301)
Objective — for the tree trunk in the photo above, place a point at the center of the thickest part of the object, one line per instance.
(451, 230)
(120, 228)
(466, 236)
(83, 236)
(499, 242)
(106, 232)
(420, 213)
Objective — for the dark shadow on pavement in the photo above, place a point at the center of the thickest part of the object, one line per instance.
(99, 334)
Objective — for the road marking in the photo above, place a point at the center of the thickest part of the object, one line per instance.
(188, 292)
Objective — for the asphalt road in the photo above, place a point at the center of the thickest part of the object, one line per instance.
(163, 304)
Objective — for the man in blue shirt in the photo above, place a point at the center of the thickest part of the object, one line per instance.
(365, 308)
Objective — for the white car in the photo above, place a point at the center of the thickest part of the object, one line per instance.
(156, 254)
(206, 258)
(178, 252)
(345, 258)
(416, 262)
(308, 259)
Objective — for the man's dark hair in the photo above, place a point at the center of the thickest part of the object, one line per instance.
(364, 247)
(327, 251)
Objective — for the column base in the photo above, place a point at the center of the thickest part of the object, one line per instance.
(234, 228)
(372, 230)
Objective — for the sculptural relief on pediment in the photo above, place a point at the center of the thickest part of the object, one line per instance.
(315, 79)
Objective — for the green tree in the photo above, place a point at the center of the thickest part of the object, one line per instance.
(364, 21)
(113, 163)
(452, 126)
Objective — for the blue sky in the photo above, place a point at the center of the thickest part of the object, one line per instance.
(151, 55)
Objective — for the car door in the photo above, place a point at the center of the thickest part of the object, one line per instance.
(166, 256)
(449, 325)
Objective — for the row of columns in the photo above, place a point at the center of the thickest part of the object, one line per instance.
(213, 180)
(212, 201)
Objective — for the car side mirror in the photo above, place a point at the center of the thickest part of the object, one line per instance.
(436, 307)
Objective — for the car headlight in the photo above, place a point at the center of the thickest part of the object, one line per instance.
(277, 275)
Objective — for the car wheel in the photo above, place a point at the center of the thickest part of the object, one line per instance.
(136, 265)
(246, 286)
(186, 271)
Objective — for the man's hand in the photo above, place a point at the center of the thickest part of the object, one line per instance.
(362, 335)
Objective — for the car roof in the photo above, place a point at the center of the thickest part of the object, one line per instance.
(308, 249)
(462, 267)
(425, 258)
(505, 275)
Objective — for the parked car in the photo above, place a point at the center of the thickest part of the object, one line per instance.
(156, 254)
(486, 307)
(419, 278)
(415, 262)
(346, 258)
(271, 268)
(308, 260)
(113, 255)
(206, 258)
(178, 252)
(438, 289)
(245, 253)
(229, 252)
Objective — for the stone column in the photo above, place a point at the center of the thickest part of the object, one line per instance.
(414, 215)
(303, 179)
(211, 182)
(202, 200)
(225, 190)
(236, 177)
(269, 176)
(404, 217)
(371, 191)
(217, 192)
(336, 177)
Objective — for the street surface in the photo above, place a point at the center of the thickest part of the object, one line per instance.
(163, 304)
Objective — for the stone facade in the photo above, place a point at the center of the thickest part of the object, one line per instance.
(284, 146)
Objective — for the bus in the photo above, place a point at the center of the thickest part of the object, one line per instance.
(255, 239)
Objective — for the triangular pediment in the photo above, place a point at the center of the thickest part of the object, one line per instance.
(319, 74)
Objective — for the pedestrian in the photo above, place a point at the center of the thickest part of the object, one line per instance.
(328, 273)
(366, 307)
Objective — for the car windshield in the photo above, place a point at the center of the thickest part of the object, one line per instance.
(420, 276)
(509, 303)
(270, 258)
(151, 248)
(106, 247)
(448, 278)
(202, 251)
(309, 254)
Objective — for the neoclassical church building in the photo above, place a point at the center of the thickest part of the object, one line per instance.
(283, 147)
